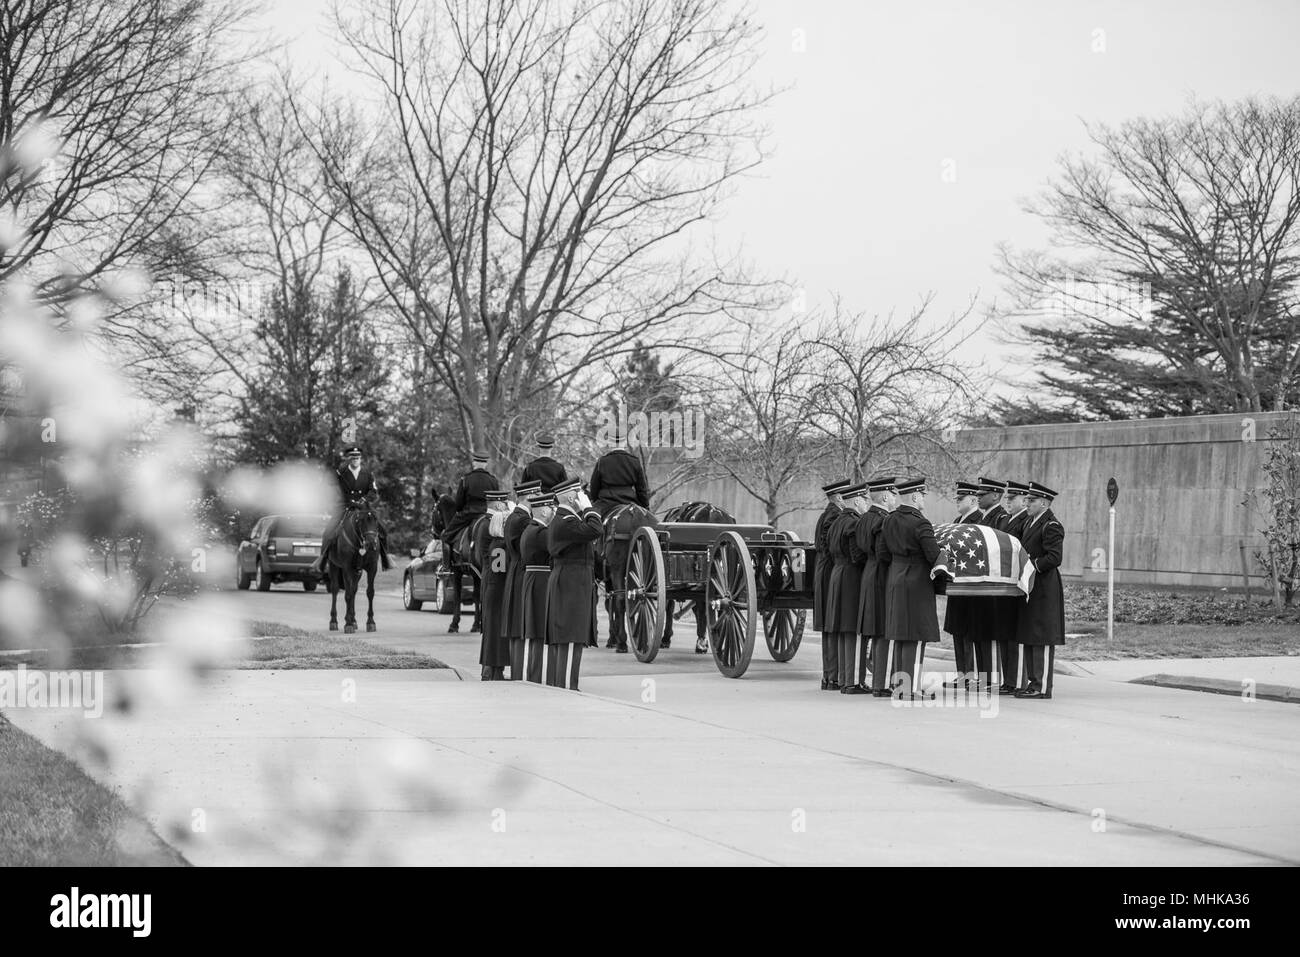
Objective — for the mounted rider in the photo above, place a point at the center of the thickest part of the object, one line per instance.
(471, 496)
(356, 486)
(544, 469)
(618, 479)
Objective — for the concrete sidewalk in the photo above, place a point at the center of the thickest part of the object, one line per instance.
(651, 768)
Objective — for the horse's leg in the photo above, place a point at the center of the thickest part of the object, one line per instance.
(332, 573)
(350, 598)
(370, 595)
(456, 573)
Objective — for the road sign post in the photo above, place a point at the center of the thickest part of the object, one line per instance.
(1112, 493)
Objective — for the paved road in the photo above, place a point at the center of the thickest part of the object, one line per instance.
(672, 763)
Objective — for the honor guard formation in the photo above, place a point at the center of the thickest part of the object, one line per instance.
(874, 594)
(874, 583)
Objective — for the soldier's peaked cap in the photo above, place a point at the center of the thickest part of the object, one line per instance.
(497, 496)
(967, 488)
(1016, 488)
(568, 485)
(836, 487)
(352, 450)
(540, 501)
(908, 486)
(992, 485)
(545, 441)
(1041, 491)
(478, 455)
(882, 483)
(853, 491)
(527, 488)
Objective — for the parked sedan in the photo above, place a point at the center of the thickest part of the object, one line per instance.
(281, 548)
(427, 578)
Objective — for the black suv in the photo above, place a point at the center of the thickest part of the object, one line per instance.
(281, 548)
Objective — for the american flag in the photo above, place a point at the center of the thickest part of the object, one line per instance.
(982, 561)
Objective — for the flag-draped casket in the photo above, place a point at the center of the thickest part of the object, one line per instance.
(982, 561)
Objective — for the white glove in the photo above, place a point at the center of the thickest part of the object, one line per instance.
(583, 502)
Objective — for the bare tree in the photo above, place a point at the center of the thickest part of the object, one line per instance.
(110, 116)
(761, 431)
(1176, 293)
(527, 179)
(887, 391)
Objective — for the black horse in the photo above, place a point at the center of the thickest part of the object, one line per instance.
(703, 512)
(461, 562)
(356, 550)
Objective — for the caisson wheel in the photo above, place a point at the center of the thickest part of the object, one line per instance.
(646, 605)
(730, 604)
(783, 631)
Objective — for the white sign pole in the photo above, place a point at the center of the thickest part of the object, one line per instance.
(1110, 580)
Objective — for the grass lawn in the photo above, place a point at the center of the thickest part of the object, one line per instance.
(272, 647)
(1182, 641)
(53, 814)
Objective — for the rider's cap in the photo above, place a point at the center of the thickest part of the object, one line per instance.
(968, 488)
(914, 484)
(478, 455)
(881, 483)
(497, 496)
(992, 485)
(1041, 491)
(528, 488)
(541, 501)
(836, 487)
(545, 441)
(568, 485)
(352, 450)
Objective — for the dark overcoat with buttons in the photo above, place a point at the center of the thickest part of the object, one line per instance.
(1041, 617)
(908, 547)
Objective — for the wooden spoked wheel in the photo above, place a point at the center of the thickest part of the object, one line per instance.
(783, 631)
(731, 604)
(646, 605)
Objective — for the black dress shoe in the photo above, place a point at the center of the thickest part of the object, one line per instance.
(832, 685)
(882, 693)
(957, 683)
(1040, 695)
(611, 643)
(855, 689)
(825, 684)
(621, 649)
(1007, 689)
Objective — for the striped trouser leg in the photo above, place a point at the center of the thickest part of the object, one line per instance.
(517, 653)
(557, 663)
(575, 666)
(1049, 667)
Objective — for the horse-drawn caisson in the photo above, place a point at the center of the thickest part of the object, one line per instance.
(733, 574)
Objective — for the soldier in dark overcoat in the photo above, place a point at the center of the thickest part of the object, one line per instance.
(536, 559)
(908, 546)
(1011, 651)
(471, 495)
(544, 469)
(571, 590)
(1040, 626)
(843, 595)
(960, 612)
(356, 484)
(822, 580)
(512, 610)
(490, 555)
(871, 612)
(993, 623)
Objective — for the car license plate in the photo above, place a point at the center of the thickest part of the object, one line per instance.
(306, 549)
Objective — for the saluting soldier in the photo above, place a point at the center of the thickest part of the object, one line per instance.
(544, 469)
(961, 613)
(908, 547)
(871, 614)
(512, 611)
(845, 590)
(822, 581)
(536, 576)
(490, 554)
(471, 495)
(571, 590)
(618, 479)
(1040, 626)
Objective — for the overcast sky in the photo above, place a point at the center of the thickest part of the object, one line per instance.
(886, 97)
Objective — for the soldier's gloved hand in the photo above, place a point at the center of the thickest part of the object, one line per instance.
(583, 502)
